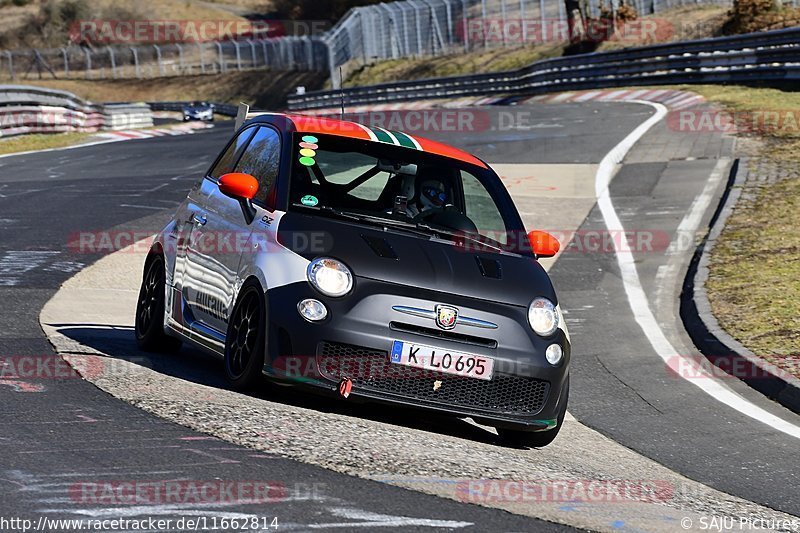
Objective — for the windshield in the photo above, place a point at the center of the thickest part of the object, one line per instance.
(385, 184)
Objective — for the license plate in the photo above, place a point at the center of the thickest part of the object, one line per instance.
(440, 360)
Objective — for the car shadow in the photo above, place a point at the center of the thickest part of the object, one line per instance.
(193, 365)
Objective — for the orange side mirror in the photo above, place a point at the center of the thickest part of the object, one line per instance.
(544, 244)
(238, 186)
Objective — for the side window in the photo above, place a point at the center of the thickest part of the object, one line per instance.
(261, 159)
(482, 210)
(228, 159)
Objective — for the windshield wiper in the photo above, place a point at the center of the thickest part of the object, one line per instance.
(368, 219)
(459, 234)
(417, 228)
(330, 211)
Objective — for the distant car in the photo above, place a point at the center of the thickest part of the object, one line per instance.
(198, 111)
(368, 264)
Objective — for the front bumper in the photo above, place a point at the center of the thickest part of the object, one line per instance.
(355, 340)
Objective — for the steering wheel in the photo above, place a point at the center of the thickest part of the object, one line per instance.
(425, 216)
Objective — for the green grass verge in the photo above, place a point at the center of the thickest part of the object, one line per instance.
(41, 141)
(755, 267)
(754, 271)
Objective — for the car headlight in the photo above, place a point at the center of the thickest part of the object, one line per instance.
(543, 317)
(330, 277)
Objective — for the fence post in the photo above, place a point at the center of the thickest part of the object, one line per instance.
(544, 20)
(158, 58)
(113, 62)
(335, 81)
(465, 17)
(221, 56)
(252, 53)
(309, 43)
(202, 61)
(238, 55)
(483, 30)
(436, 30)
(418, 17)
(66, 62)
(504, 22)
(181, 63)
(389, 47)
(135, 53)
(450, 29)
(11, 65)
(405, 28)
(88, 63)
(264, 50)
(360, 13)
(290, 47)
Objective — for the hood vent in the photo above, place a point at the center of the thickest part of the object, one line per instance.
(380, 246)
(490, 268)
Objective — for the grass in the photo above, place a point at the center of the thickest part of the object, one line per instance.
(264, 89)
(41, 141)
(755, 267)
(781, 132)
(494, 60)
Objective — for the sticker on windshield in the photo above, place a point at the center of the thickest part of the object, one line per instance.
(307, 161)
(310, 139)
(310, 201)
(307, 152)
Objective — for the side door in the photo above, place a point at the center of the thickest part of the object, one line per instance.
(190, 260)
(223, 237)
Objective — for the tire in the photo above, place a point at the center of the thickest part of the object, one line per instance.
(244, 343)
(536, 439)
(150, 335)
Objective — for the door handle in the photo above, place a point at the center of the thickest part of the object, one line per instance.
(200, 220)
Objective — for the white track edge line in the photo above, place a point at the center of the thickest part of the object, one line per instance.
(637, 298)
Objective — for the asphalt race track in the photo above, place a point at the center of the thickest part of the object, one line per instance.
(70, 433)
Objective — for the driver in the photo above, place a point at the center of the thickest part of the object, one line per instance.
(429, 191)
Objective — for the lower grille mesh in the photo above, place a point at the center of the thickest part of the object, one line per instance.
(371, 370)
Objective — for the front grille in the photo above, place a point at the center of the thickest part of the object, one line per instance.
(370, 370)
(440, 334)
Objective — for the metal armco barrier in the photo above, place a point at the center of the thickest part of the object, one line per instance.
(36, 110)
(125, 116)
(767, 58)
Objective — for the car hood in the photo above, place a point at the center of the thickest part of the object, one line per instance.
(405, 259)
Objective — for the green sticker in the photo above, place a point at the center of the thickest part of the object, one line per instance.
(307, 152)
(310, 139)
(310, 201)
(307, 161)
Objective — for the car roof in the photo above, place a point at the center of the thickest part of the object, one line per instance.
(354, 130)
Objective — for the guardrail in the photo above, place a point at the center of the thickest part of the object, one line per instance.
(37, 110)
(768, 58)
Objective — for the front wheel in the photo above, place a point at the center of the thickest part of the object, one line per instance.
(150, 335)
(244, 344)
(537, 439)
